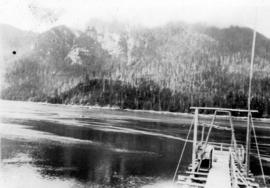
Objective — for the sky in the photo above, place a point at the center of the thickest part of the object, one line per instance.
(41, 15)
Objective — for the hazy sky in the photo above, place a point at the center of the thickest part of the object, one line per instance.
(39, 15)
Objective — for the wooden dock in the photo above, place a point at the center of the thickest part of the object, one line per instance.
(219, 175)
(216, 165)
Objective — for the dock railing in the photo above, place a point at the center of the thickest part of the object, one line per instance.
(221, 147)
(237, 174)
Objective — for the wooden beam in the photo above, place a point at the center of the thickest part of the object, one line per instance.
(197, 173)
(199, 178)
(190, 184)
(223, 109)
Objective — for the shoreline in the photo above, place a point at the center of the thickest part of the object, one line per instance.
(117, 108)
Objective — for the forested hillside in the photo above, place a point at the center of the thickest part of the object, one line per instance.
(170, 68)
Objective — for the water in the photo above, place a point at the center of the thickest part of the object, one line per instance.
(45, 145)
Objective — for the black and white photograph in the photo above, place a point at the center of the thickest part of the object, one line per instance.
(134, 94)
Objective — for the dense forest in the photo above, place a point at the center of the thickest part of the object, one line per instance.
(168, 68)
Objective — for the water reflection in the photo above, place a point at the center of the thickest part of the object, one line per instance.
(85, 163)
(101, 148)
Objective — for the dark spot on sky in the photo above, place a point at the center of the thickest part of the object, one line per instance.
(14, 52)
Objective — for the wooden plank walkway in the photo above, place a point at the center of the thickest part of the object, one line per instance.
(219, 175)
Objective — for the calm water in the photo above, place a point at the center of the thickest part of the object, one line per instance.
(45, 145)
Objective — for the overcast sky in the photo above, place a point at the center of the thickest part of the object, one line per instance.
(40, 15)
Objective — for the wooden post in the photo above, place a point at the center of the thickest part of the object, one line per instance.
(195, 139)
(233, 141)
(248, 145)
(210, 129)
(249, 101)
(202, 133)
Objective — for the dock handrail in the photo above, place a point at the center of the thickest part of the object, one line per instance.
(184, 147)
(237, 177)
(224, 109)
(221, 147)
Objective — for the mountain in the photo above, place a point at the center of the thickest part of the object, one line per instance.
(171, 67)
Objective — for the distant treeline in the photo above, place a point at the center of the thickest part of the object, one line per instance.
(146, 95)
(149, 96)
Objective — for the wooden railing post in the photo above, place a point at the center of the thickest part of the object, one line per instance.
(195, 139)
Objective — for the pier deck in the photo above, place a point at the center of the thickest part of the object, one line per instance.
(219, 175)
